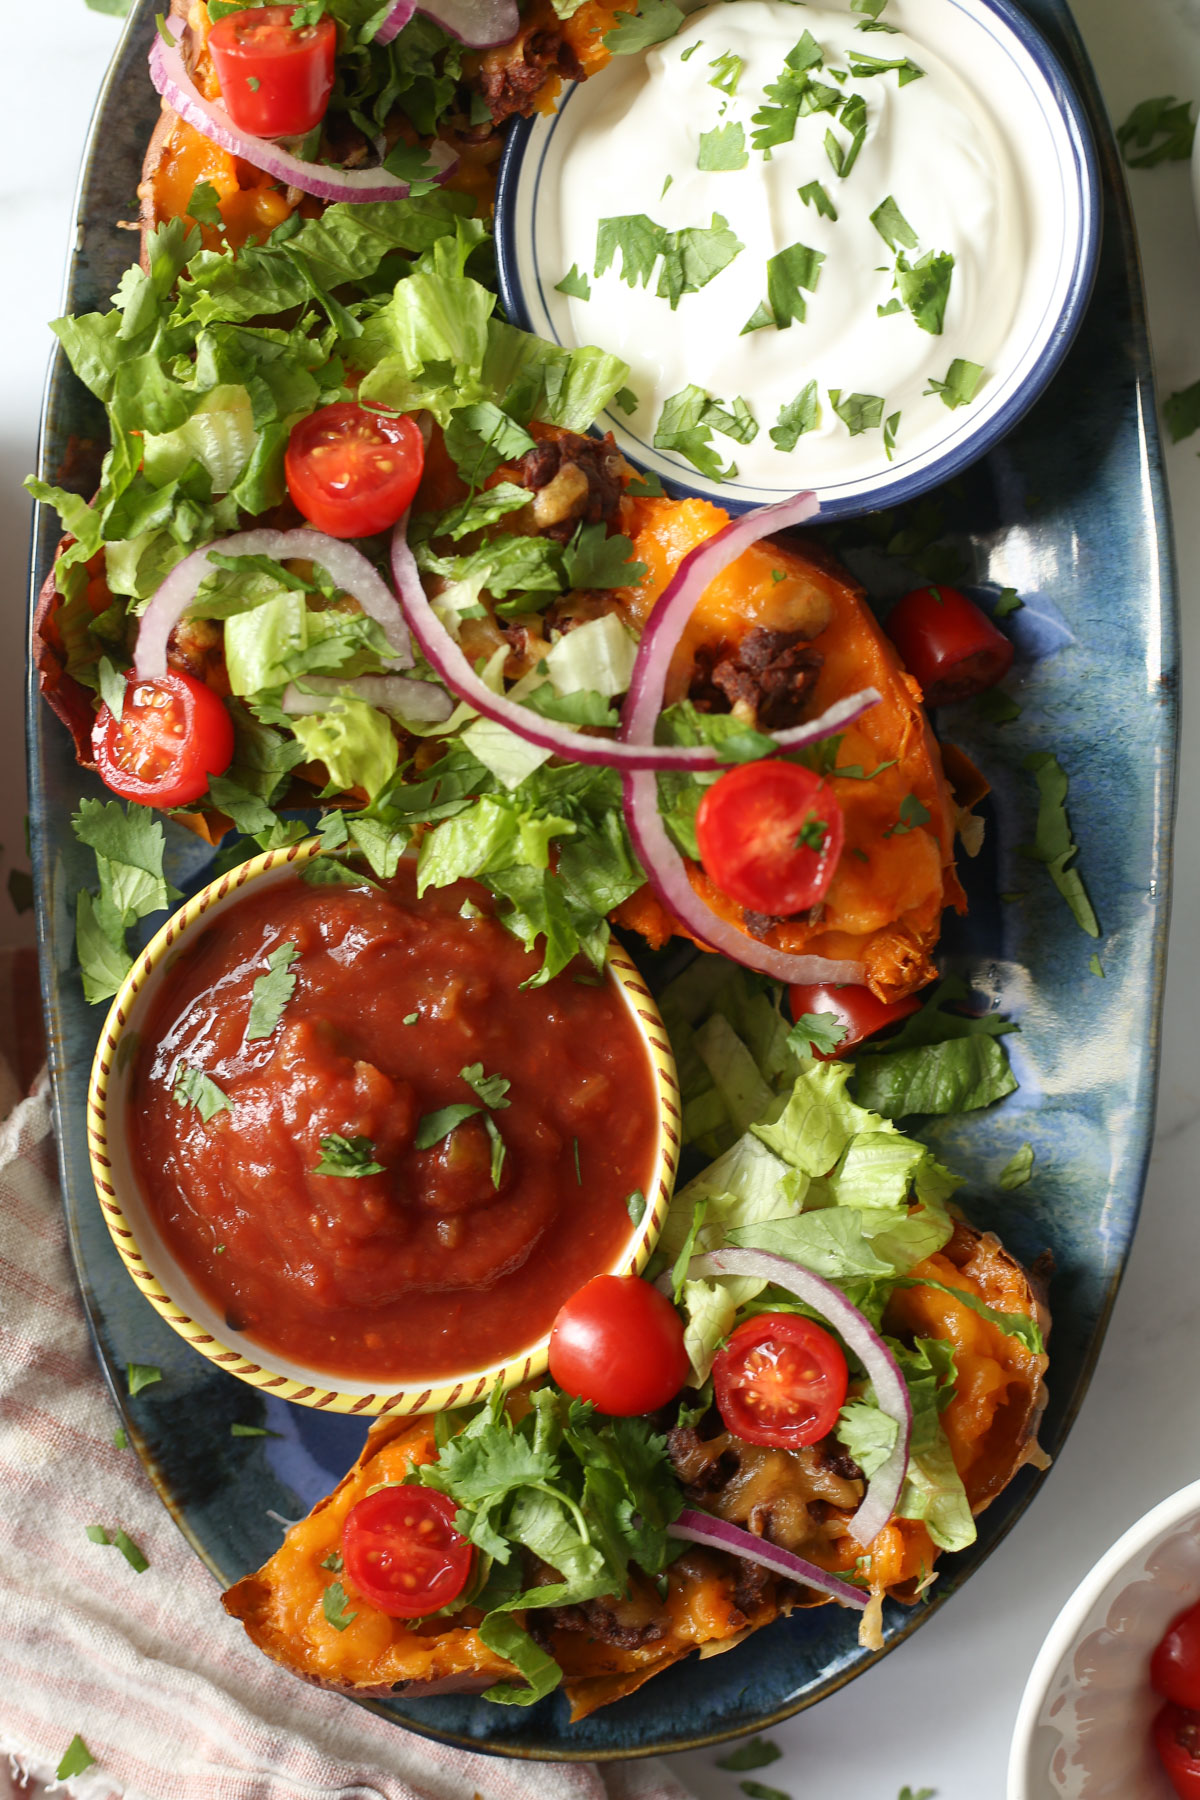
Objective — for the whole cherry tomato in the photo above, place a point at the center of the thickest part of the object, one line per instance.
(352, 472)
(948, 643)
(860, 1013)
(402, 1553)
(276, 77)
(618, 1342)
(780, 1380)
(770, 834)
(172, 735)
(1177, 1740)
(1175, 1665)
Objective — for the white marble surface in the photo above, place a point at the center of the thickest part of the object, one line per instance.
(939, 1713)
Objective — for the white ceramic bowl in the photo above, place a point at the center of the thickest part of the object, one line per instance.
(1083, 1729)
(1015, 75)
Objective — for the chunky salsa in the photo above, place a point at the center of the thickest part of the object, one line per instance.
(376, 1152)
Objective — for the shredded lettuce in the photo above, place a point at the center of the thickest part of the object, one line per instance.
(354, 741)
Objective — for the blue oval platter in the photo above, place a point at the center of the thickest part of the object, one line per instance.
(1070, 511)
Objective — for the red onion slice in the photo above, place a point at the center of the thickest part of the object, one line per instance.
(718, 1534)
(447, 659)
(480, 23)
(168, 72)
(425, 702)
(883, 1489)
(345, 565)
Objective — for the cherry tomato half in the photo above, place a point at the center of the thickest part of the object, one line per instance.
(172, 735)
(619, 1343)
(781, 1380)
(770, 834)
(1175, 1665)
(948, 643)
(860, 1012)
(402, 1553)
(352, 472)
(1177, 1740)
(276, 77)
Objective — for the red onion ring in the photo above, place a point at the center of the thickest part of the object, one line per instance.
(891, 1391)
(665, 868)
(347, 566)
(169, 74)
(718, 1534)
(480, 23)
(424, 701)
(448, 661)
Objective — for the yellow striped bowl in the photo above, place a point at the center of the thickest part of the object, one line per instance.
(166, 1283)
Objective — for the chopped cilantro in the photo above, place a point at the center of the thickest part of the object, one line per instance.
(907, 1793)
(893, 306)
(757, 1790)
(165, 35)
(961, 383)
(499, 1148)
(853, 120)
(77, 1757)
(1053, 844)
(349, 1156)
(646, 486)
(203, 206)
(686, 424)
(1157, 131)
(575, 284)
(858, 412)
(635, 1205)
(593, 559)
(815, 1031)
(729, 70)
(435, 1126)
(997, 707)
(578, 1175)
(775, 121)
(271, 992)
(796, 417)
(1017, 1169)
(862, 65)
(1008, 602)
(724, 147)
(120, 1438)
(333, 1605)
(141, 1375)
(626, 399)
(491, 1089)
(1182, 412)
(891, 426)
(690, 258)
(762, 315)
(237, 1429)
(652, 23)
(130, 1552)
(872, 8)
(757, 1753)
(892, 226)
(925, 288)
(912, 814)
(813, 194)
(410, 1018)
(98, 1535)
(793, 268)
(333, 1562)
(194, 1088)
(812, 834)
(691, 50)
(1096, 966)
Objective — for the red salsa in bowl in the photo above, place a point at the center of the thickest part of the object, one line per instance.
(376, 1152)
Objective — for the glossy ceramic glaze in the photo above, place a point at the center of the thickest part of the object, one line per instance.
(1008, 62)
(1070, 510)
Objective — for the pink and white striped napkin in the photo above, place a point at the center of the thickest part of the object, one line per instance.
(169, 1697)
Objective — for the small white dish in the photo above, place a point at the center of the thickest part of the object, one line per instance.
(1083, 1729)
(1016, 77)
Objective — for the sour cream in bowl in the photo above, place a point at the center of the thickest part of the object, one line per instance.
(840, 248)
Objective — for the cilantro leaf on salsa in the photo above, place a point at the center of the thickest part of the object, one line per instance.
(433, 1127)
(271, 992)
(1053, 844)
(491, 1089)
(348, 1156)
(194, 1088)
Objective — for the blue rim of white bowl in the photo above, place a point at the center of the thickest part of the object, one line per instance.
(892, 490)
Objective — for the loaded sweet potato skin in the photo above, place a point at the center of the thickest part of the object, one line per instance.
(886, 900)
(609, 1649)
